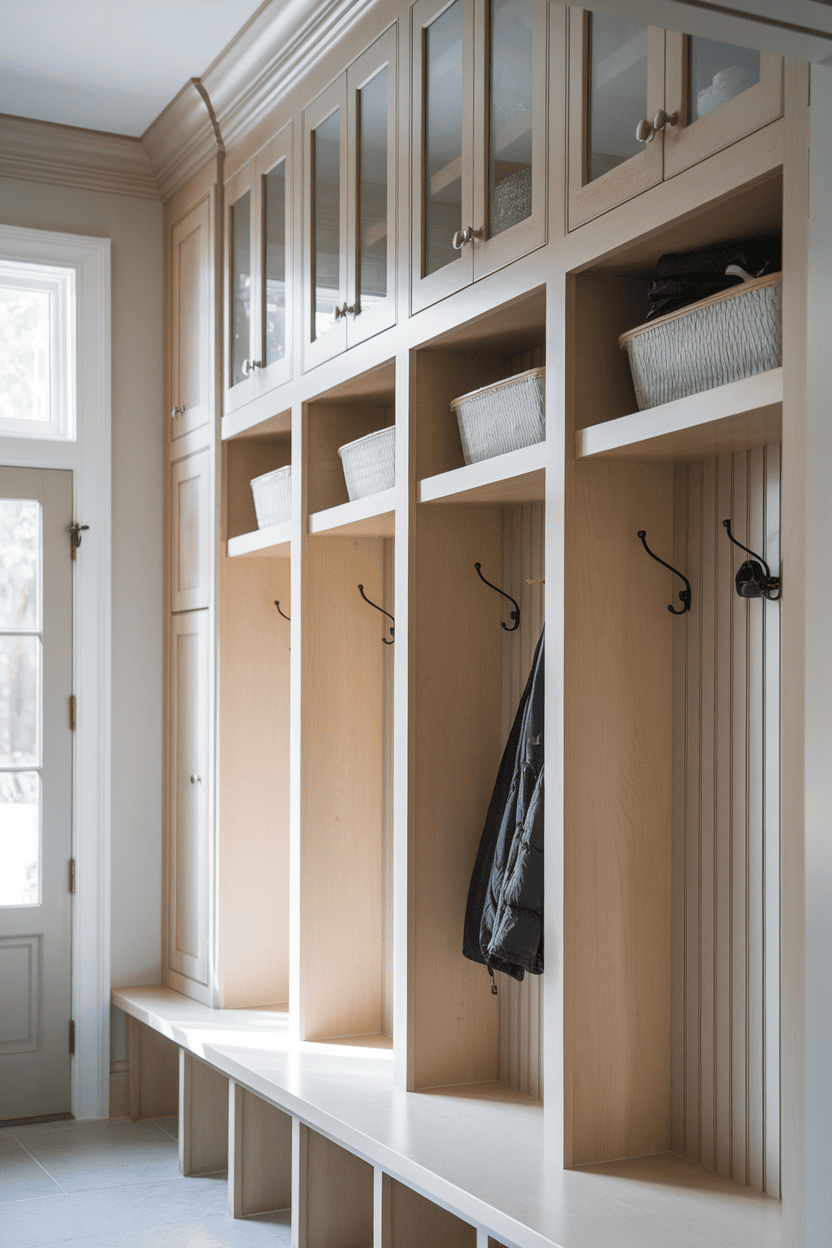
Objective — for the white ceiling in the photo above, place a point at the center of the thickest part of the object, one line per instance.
(108, 64)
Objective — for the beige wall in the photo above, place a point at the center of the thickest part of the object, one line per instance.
(134, 227)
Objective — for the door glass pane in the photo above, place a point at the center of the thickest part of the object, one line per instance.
(510, 154)
(19, 701)
(24, 354)
(19, 557)
(274, 310)
(719, 72)
(618, 91)
(240, 286)
(443, 137)
(372, 190)
(19, 838)
(326, 146)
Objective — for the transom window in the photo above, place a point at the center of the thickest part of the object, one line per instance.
(37, 351)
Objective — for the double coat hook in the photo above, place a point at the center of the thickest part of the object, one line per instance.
(283, 613)
(684, 594)
(383, 612)
(515, 614)
(751, 581)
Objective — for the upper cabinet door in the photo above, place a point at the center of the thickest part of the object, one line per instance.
(258, 292)
(372, 126)
(510, 115)
(325, 225)
(616, 83)
(443, 139)
(718, 94)
(190, 321)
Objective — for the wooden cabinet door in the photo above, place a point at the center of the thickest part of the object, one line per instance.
(191, 293)
(191, 526)
(372, 116)
(189, 842)
(720, 93)
(510, 112)
(443, 135)
(325, 225)
(616, 79)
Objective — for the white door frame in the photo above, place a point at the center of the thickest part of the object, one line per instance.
(90, 461)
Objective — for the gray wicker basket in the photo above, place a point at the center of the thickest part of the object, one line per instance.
(273, 497)
(502, 417)
(734, 334)
(369, 463)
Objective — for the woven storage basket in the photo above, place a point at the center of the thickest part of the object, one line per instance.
(273, 497)
(502, 417)
(369, 463)
(734, 334)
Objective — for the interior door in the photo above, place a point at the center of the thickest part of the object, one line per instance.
(35, 791)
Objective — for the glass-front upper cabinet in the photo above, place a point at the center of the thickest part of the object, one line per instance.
(350, 195)
(479, 149)
(644, 104)
(258, 278)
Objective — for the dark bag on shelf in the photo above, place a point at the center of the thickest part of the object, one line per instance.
(685, 277)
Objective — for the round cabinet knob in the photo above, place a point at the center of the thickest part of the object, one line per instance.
(461, 237)
(195, 779)
(663, 119)
(645, 132)
(250, 366)
(178, 410)
(337, 314)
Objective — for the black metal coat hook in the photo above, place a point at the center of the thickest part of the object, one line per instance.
(751, 581)
(383, 612)
(684, 594)
(283, 613)
(515, 614)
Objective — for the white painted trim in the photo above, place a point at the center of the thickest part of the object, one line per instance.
(90, 460)
(41, 151)
(182, 139)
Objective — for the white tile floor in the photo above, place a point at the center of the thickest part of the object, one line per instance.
(116, 1185)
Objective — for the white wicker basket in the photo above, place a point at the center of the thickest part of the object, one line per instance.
(369, 463)
(502, 417)
(734, 334)
(273, 497)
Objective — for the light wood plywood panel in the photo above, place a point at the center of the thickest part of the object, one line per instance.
(373, 516)
(259, 1154)
(273, 542)
(415, 1221)
(332, 1195)
(203, 1117)
(331, 426)
(518, 477)
(153, 1072)
(618, 813)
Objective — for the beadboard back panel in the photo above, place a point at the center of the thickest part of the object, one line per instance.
(522, 560)
(726, 826)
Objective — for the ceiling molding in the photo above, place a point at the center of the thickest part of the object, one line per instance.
(41, 151)
(182, 139)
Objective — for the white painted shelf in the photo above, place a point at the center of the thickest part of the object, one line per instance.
(518, 477)
(374, 516)
(477, 1149)
(273, 542)
(729, 418)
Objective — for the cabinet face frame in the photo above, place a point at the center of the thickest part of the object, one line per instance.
(193, 967)
(587, 200)
(689, 142)
(196, 532)
(366, 322)
(494, 253)
(317, 350)
(251, 178)
(183, 332)
(428, 288)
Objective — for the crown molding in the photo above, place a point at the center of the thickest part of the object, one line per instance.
(182, 139)
(41, 151)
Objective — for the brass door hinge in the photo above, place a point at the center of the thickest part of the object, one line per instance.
(72, 875)
(72, 1037)
(72, 710)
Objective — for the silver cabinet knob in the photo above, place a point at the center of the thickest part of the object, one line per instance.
(178, 410)
(195, 779)
(343, 311)
(250, 366)
(646, 130)
(461, 237)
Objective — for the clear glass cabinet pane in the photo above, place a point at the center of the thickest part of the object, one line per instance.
(240, 286)
(19, 560)
(718, 72)
(443, 137)
(326, 146)
(372, 190)
(510, 146)
(19, 700)
(274, 229)
(618, 91)
(24, 354)
(19, 838)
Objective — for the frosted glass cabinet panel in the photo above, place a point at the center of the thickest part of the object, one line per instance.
(258, 275)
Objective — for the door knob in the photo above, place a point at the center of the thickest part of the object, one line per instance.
(195, 779)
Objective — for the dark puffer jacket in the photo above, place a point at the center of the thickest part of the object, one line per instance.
(504, 916)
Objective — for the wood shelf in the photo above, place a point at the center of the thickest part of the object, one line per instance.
(374, 516)
(735, 417)
(273, 542)
(518, 477)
